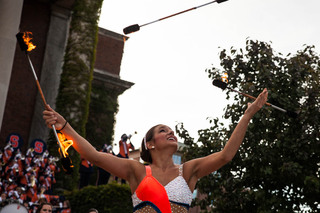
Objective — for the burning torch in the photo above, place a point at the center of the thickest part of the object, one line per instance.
(136, 27)
(24, 40)
(222, 84)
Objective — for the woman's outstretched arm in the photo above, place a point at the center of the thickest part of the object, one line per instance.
(200, 167)
(117, 166)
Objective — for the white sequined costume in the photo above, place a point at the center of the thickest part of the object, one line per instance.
(179, 194)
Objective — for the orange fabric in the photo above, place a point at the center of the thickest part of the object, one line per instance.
(24, 180)
(7, 155)
(23, 197)
(34, 198)
(151, 190)
(32, 191)
(86, 163)
(122, 148)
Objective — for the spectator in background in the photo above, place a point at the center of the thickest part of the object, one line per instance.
(92, 210)
(124, 151)
(66, 207)
(103, 175)
(124, 147)
(7, 153)
(42, 195)
(3, 200)
(26, 204)
(27, 179)
(44, 208)
(85, 170)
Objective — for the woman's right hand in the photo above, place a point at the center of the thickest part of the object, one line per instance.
(51, 117)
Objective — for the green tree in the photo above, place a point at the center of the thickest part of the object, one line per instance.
(109, 198)
(277, 166)
(75, 85)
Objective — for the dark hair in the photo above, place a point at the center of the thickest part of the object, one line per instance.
(144, 153)
(41, 206)
(93, 210)
(67, 203)
(124, 137)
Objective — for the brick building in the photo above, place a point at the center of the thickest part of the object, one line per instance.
(20, 103)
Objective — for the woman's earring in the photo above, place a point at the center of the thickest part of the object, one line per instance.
(152, 147)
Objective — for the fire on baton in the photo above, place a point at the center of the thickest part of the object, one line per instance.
(24, 40)
(136, 27)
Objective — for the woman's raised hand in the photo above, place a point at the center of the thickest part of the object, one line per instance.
(51, 117)
(258, 103)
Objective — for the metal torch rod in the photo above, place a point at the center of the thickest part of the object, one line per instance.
(254, 98)
(45, 103)
(193, 8)
(136, 27)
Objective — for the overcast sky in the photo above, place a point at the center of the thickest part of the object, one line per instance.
(167, 60)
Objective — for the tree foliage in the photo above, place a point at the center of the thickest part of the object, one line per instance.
(75, 85)
(101, 120)
(277, 166)
(107, 198)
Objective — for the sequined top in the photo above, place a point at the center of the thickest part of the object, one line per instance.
(179, 194)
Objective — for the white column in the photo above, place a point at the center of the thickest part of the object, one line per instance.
(10, 15)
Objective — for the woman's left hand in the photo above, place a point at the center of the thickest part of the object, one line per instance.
(254, 107)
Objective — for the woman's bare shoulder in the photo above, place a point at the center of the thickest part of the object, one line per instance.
(137, 174)
(136, 165)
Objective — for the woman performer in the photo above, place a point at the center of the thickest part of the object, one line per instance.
(161, 186)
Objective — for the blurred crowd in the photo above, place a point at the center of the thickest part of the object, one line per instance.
(28, 179)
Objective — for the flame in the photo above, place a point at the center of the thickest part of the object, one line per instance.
(224, 77)
(65, 144)
(27, 37)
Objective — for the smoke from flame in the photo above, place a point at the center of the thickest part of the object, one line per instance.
(27, 37)
(224, 77)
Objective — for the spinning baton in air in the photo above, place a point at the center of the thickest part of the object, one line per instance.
(223, 85)
(136, 27)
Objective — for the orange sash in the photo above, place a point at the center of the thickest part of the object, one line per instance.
(151, 190)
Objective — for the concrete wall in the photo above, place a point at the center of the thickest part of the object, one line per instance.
(10, 13)
(19, 105)
(51, 68)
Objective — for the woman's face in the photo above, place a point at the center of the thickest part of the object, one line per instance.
(164, 136)
(46, 209)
